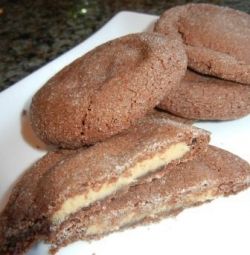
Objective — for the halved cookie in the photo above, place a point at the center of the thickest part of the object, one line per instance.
(64, 183)
(214, 173)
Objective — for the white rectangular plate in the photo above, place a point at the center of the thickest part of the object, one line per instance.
(219, 227)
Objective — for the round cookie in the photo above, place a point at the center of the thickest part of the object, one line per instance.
(207, 98)
(107, 90)
(217, 39)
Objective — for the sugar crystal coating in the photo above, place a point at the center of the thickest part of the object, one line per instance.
(107, 90)
(212, 174)
(60, 176)
(207, 98)
(217, 39)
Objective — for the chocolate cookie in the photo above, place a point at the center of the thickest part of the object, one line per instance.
(217, 39)
(64, 183)
(107, 90)
(206, 98)
(213, 174)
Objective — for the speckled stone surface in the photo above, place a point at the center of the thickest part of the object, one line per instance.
(34, 32)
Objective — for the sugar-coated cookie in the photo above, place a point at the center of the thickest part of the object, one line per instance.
(207, 98)
(107, 90)
(217, 39)
(66, 182)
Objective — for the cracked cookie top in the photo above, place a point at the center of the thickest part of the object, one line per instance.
(107, 90)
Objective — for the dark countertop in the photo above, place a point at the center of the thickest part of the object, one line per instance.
(34, 32)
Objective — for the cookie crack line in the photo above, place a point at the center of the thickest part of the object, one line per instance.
(83, 122)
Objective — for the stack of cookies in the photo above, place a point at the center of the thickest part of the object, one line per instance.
(217, 43)
(119, 162)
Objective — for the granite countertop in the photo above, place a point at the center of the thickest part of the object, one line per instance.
(34, 32)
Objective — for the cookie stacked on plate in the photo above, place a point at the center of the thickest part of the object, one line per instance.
(119, 162)
(217, 43)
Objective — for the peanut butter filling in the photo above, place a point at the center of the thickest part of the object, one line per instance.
(133, 217)
(130, 175)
